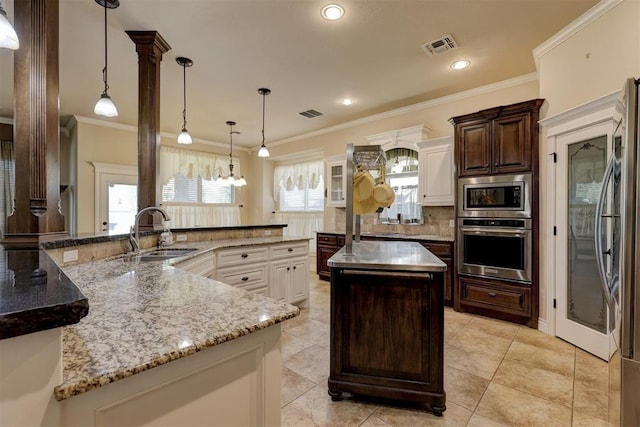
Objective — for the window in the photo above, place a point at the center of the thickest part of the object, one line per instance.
(299, 187)
(402, 176)
(190, 176)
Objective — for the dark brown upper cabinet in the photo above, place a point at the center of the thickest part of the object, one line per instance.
(497, 140)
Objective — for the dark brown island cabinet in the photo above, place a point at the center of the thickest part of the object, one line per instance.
(499, 142)
(387, 325)
(328, 244)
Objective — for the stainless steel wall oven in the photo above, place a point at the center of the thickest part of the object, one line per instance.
(495, 247)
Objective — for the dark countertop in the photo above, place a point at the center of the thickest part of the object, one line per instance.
(35, 294)
(391, 235)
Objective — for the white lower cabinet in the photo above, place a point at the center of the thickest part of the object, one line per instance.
(289, 273)
(202, 264)
(279, 271)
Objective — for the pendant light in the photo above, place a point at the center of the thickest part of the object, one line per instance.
(231, 179)
(184, 137)
(263, 151)
(105, 106)
(8, 36)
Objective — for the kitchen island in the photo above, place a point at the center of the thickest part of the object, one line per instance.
(159, 346)
(387, 324)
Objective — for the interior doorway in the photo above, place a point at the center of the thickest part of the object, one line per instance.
(116, 197)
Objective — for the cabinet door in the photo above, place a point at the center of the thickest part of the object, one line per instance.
(472, 148)
(299, 280)
(436, 182)
(512, 144)
(448, 282)
(336, 194)
(278, 279)
(323, 253)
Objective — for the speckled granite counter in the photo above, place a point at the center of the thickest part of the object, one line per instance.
(147, 314)
(35, 295)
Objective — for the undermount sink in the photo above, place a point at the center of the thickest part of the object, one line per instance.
(159, 254)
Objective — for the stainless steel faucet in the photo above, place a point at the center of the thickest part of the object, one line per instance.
(135, 229)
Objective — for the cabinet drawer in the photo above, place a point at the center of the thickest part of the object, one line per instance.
(500, 297)
(244, 277)
(325, 239)
(290, 250)
(242, 256)
(439, 249)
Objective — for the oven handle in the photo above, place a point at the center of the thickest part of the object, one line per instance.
(496, 230)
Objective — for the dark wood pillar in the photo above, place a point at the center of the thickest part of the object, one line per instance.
(37, 215)
(150, 46)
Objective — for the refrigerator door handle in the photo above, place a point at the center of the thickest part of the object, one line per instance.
(599, 218)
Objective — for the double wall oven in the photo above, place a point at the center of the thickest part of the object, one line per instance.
(494, 227)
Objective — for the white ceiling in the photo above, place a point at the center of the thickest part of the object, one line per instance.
(372, 55)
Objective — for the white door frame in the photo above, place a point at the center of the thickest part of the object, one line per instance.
(580, 123)
(106, 173)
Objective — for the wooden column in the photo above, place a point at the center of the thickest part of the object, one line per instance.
(150, 46)
(37, 215)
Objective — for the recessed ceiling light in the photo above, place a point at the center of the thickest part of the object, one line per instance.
(347, 101)
(459, 65)
(332, 12)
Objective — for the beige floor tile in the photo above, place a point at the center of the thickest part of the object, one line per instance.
(582, 420)
(540, 339)
(542, 358)
(592, 370)
(454, 416)
(494, 327)
(312, 363)
(313, 331)
(474, 362)
(293, 386)
(538, 382)
(512, 407)
(480, 421)
(451, 314)
(315, 408)
(291, 344)
(477, 341)
(590, 401)
(463, 388)
(374, 421)
(300, 319)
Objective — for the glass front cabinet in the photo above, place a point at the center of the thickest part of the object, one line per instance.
(336, 172)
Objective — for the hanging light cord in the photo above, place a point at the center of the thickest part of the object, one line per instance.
(263, 104)
(104, 70)
(184, 96)
(231, 132)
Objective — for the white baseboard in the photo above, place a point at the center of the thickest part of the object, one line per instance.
(543, 326)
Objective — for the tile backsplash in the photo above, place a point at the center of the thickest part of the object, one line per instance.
(437, 221)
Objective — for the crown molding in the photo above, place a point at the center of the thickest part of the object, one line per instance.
(120, 126)
(573, 28)
(481, 90)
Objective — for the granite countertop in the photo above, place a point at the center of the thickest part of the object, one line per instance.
(145, 314)
(387, 256)
(392, 235)
(35, 295)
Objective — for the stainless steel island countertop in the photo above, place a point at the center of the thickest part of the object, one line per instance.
(388, 256)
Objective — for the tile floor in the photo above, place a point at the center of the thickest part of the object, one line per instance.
(496, 374)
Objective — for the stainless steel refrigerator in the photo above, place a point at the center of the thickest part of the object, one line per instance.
(617, 234)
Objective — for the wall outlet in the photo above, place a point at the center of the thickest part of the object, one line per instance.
(452, 223)
(267, 232)
(68, 256)
(181, 237)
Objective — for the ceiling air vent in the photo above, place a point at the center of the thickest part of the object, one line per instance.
(310, 114)
(440, 45)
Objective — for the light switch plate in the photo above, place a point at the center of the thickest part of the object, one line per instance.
(181, 237)
(452, 223)
(267, 232)
(68, 256)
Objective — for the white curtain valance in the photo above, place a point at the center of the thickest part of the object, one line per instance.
(184, 216)
(299, 176)
(191, 164)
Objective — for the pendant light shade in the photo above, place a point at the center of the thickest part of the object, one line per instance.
(231, 180)
(8, 36)
(263, 151)
(183, 136)
(105, 106)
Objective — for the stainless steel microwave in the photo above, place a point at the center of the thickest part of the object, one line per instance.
(498, 196)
